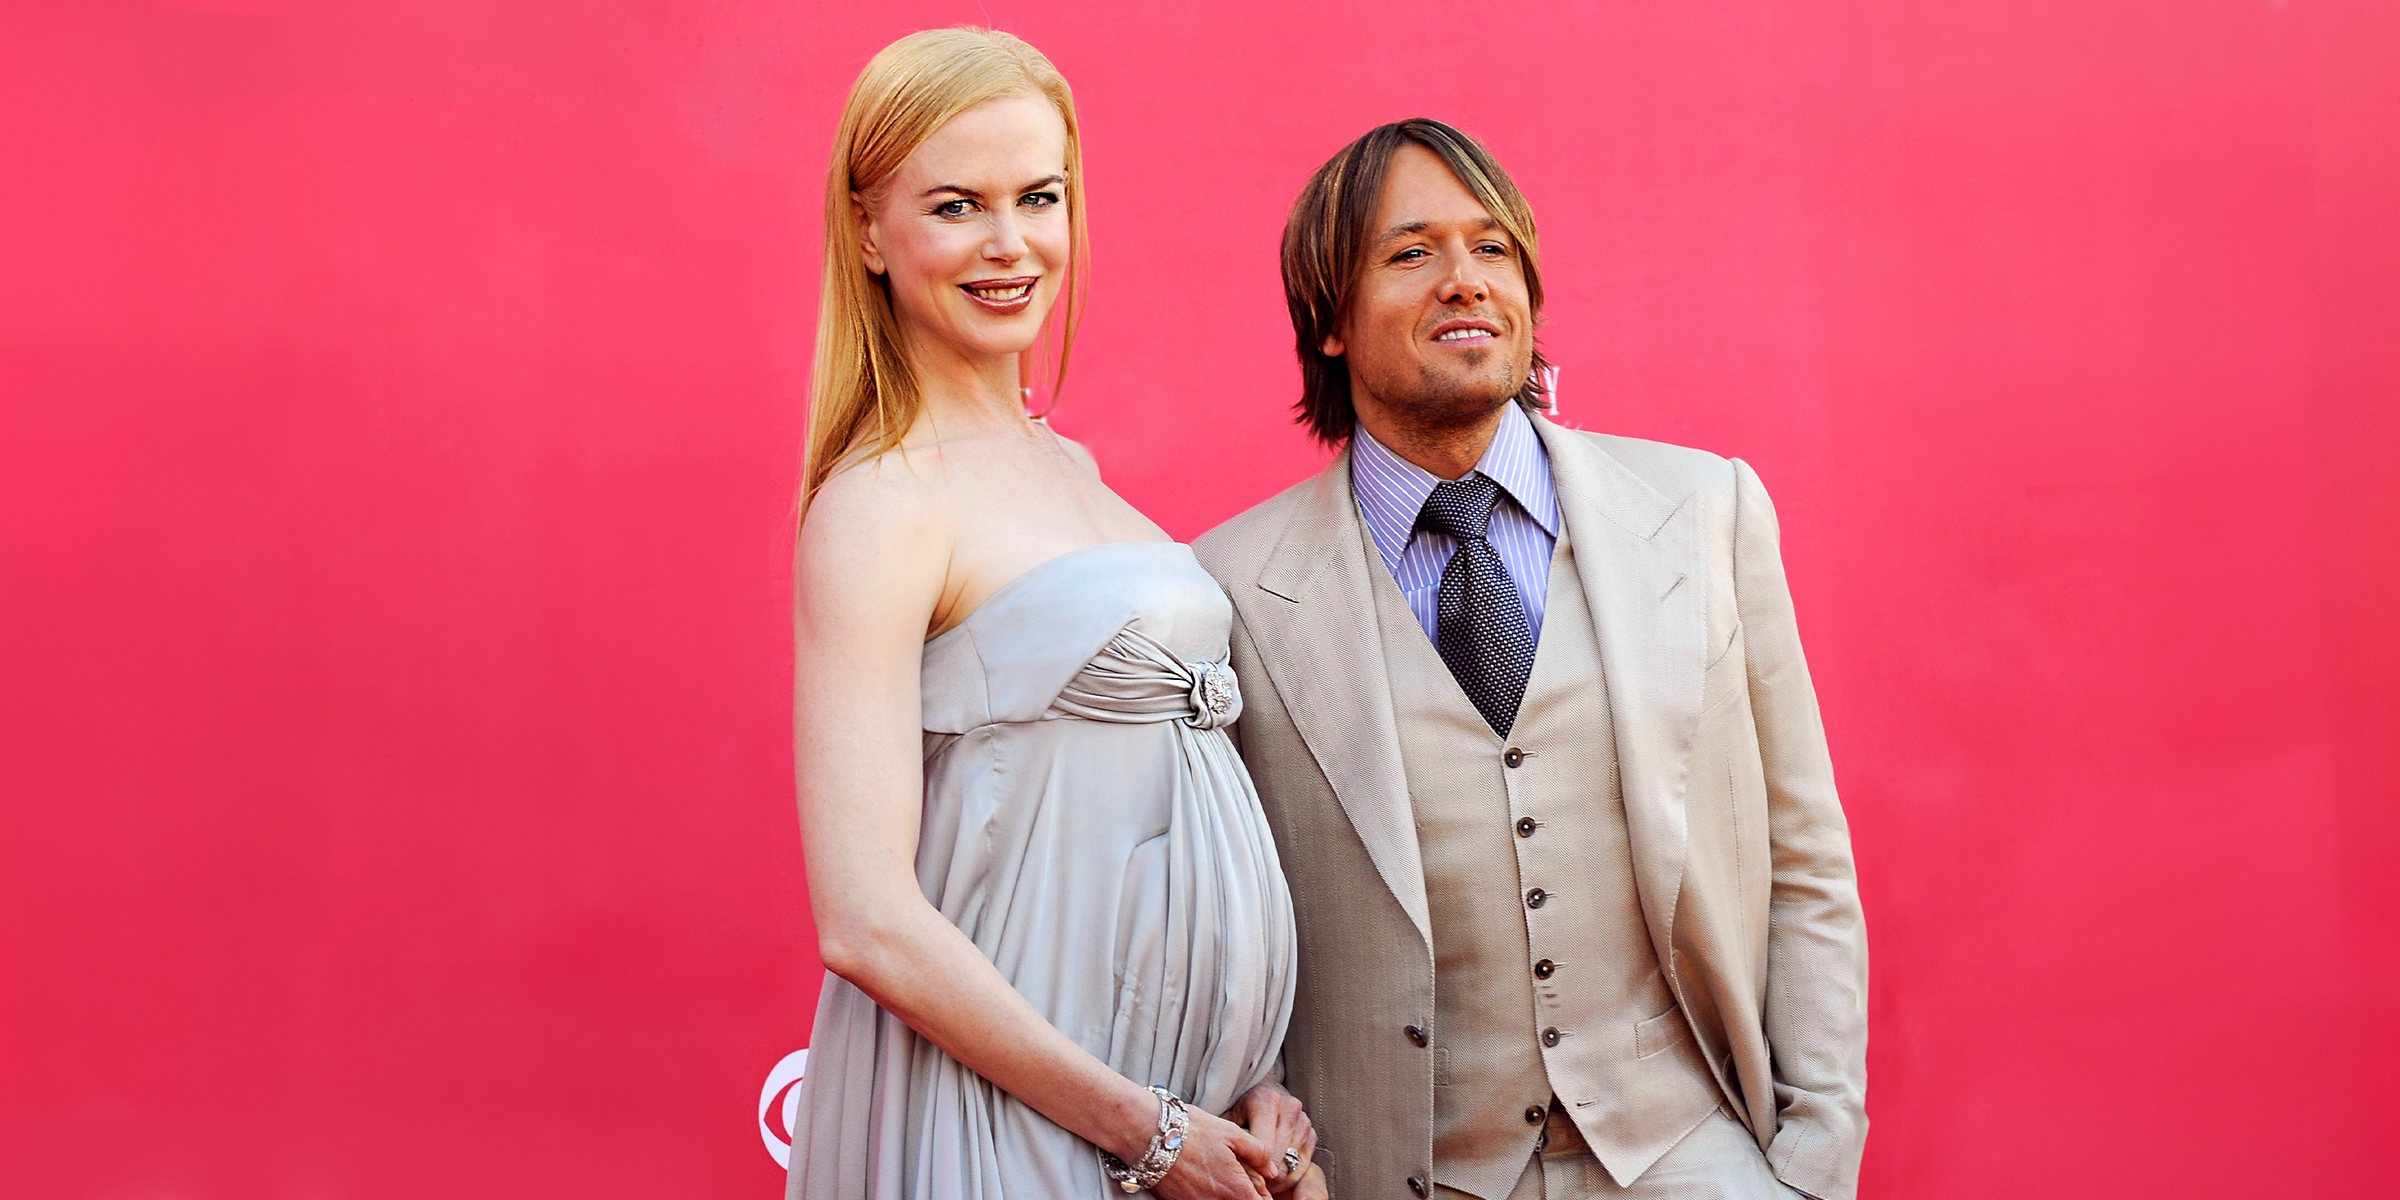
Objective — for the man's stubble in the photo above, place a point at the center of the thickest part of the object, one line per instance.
(1437, 409)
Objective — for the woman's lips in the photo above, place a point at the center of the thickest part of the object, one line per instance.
(1005, 297)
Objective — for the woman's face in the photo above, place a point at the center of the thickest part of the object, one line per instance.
(971, 231)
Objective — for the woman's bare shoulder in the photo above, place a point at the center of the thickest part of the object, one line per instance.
(883, 488)
(880, 523)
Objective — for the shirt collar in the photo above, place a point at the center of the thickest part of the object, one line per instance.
(1392, 490)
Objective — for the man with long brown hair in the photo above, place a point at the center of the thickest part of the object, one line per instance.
(1529, 716)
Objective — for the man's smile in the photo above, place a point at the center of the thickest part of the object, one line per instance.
(1473, 331)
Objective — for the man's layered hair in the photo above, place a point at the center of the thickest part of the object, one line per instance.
(1327, 239)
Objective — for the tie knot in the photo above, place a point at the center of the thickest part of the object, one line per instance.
(1461, 508)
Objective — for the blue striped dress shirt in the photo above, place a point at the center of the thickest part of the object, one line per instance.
(1392, 490)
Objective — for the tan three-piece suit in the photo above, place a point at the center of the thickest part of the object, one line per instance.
(1618, 952)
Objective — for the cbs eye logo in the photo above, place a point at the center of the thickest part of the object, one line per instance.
(779, 1106)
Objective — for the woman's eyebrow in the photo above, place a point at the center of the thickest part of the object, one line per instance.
(960, 189)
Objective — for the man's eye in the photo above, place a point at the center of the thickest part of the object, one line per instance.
(1411, 254)
(1494, 248)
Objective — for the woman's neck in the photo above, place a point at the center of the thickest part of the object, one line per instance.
(964, 391)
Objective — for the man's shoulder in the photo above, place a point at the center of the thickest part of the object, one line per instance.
(1670, 469)
(1239, 548)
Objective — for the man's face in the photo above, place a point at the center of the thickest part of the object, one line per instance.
(1440, 328)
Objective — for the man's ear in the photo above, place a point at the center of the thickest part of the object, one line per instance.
(1332, 345)
(868, 251)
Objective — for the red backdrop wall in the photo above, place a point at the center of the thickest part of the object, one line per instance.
(398, 421)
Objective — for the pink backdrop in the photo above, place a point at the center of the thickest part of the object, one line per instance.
(398, 420)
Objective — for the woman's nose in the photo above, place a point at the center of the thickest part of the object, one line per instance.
(1007, 242)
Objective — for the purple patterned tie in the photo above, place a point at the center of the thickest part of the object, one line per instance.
(1484, 639)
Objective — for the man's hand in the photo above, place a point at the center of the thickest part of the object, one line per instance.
(1275, 1117)
(1311, 1186)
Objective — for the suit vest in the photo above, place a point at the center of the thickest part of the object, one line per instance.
(1545, 981)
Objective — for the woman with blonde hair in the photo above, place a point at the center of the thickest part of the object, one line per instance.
(1057, 937)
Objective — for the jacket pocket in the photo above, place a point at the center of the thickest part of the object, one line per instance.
(1661, 1033)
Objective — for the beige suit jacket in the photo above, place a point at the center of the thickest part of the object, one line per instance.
(1741, 852)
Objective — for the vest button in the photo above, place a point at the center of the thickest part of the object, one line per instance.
(1416, 1184)
(1534, 898)
(1544, 969)
(1535, 1114)
(1514, 757)
(1550, 1036)
(1524, 826)
(1416, 1036)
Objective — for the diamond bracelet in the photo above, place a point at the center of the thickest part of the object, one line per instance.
(1165, 1146)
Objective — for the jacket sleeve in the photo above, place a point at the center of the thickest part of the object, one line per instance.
(1816, 1003)
(1242, 654)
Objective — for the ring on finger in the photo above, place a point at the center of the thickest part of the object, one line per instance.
(1291, 1159)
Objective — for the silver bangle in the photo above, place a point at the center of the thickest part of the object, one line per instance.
(1165, 1147)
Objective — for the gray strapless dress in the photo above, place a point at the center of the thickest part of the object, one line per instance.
(1089, 826)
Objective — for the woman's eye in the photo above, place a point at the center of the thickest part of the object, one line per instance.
(952, 208)
(1039, 199)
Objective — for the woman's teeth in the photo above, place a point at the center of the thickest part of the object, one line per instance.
(1001, 295)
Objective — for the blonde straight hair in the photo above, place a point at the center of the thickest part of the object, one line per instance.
(864, 397)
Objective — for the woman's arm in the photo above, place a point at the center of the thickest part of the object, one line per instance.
(871, 566)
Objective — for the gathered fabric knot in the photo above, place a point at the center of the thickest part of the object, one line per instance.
(1216, 695)
(1135, 679)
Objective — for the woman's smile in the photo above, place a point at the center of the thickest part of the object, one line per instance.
(1002, 297)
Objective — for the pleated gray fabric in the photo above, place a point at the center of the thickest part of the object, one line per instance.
(1089, 826)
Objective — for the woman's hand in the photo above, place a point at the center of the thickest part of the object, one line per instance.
(1275, 1118)
(1219, 1162)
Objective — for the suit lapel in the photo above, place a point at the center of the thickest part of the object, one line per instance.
(1316, 631)
(1641, 560)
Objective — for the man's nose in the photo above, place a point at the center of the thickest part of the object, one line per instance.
(1463, 281)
